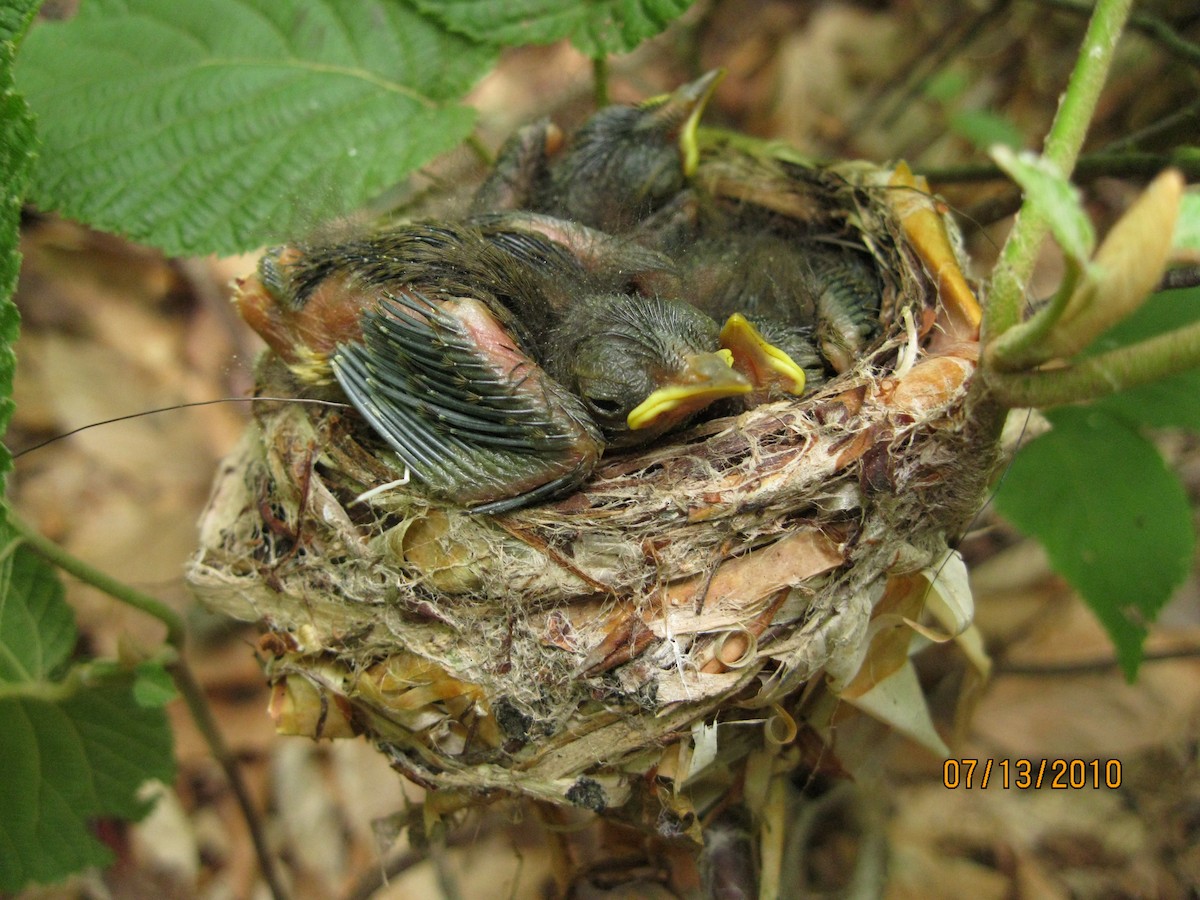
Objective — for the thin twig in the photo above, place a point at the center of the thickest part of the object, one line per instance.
(1088, 666)
(917, 82)
(378, 876)
(443, 870)
(808, 816)
(921, 66)
(71, 564)
(1087, 168)
(871, 864)
(476, 145)
(1061, 149)
(1186, 120)
(201, 712)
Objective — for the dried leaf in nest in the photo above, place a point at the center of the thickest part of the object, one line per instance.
(631, 647)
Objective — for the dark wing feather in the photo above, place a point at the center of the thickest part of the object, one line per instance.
(477, 424)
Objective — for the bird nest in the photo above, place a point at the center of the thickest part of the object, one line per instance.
(629, 647)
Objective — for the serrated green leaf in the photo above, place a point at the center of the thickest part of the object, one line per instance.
(17, 146)
(984, 129)
(37, 627)
(66, 764)
(1171, 402)
(1054, 196)
(596, 28)
(1187, 226)
(15, 16)
(71, 750)
(1113, 518)
(221, 125)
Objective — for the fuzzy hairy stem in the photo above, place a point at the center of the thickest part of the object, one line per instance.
(1101, 375)
(1062, 146)
(1019, 348)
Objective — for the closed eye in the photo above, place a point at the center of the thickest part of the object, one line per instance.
(605, 406)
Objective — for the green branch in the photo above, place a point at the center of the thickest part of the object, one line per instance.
(1101, 375)
(1062, 146)
(55, 554)
(1097, 295)
(1021, 346)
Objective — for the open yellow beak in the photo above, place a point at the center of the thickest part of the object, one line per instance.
(698, 93)
(764, 364)
(685, 105)
(706, 377)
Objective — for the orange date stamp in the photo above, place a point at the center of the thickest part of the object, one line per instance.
(1032, 774)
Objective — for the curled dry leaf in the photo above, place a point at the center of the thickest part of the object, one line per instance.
(1125, 269)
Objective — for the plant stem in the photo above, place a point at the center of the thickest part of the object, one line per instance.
(922, 67)
(480, 149)
(197, 704)
(181, 674)
(55, 554)
(1062, 146)
(1101, 375)
(1018, 348)
(600, 81)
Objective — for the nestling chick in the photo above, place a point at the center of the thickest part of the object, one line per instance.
(624, 163)
(449, 345)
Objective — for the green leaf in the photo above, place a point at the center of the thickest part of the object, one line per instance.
(71, 750)
(1053, 195)
(1113, 518)
(985, 129)
(1187, 226)
(15, 16)
(596, 28)
(67, 764)
(17, 145)
(218, 126)
(37, 627)
(1171, 402)
(153, 685)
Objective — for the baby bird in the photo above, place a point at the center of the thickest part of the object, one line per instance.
(762, 349)
(466, 358)
(621, 166)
